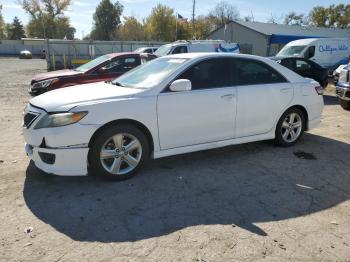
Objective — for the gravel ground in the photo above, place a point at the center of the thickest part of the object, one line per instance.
(249, 202)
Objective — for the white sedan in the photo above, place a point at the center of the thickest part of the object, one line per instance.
(172, 105)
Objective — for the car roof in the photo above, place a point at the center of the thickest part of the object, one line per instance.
(112, 55)
(214, 54)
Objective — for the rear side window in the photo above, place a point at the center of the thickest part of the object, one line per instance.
(180, 50)
(211, 73)
(302, 65)
(251, 72)
(289, 63)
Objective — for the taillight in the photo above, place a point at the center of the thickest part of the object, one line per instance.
(319, 90)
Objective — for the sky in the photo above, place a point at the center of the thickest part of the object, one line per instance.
(80, 12)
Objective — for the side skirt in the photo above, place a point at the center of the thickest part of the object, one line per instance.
(206, 146)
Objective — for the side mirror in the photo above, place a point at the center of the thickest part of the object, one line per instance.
(181, 85)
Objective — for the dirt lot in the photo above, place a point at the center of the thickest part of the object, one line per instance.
(249, 202)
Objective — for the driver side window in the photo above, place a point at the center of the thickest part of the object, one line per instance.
(180, 50)
(211, 73)
(121, 65)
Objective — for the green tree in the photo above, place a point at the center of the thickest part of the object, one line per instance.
(15, 30)
(106, 20)
(203, 27)
(47, 18)
(2, 25)
(161, 23)
(332, 16)
(131, 30)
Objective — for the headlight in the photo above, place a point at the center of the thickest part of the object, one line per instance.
(60, 119)
(45, 83)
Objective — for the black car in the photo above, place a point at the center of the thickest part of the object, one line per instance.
(305, 68)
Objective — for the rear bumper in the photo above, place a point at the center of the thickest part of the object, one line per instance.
(314, 123)
(61, 161)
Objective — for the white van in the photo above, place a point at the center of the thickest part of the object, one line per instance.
(327, 52)
(194, 46)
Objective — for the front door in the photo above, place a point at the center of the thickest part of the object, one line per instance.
(204, 114)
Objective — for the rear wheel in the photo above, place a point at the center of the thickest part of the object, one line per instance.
(118, 152)
(290, 127)
(345, 104)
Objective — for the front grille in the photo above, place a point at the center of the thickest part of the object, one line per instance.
(29, 118)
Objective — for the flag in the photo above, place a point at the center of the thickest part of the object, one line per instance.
(181, 19)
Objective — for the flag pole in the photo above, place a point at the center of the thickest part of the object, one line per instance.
(176, 26)
(193, 9)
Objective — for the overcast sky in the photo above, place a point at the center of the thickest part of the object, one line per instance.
(80, 12)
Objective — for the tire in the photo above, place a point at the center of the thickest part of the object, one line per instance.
(116, 161)
(285, 128)
(345, 104)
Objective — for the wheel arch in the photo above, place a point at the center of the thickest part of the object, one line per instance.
(126, 121)
(303, 109)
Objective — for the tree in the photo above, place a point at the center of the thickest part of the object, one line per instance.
(203, 27)
(15, 30)
(47, 18)
(223, 13)
(160, 24)
(2, 25)
(106, 20)
(273, 19)
(131, 30)
(333, 16)
(293, 18)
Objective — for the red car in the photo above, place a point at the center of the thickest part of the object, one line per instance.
(103, 68)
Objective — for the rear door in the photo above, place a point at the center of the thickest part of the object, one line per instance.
(262, 95)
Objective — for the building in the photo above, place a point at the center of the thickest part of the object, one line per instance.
(266, 39)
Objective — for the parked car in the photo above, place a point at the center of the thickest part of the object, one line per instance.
(343, 88)
(148, 50)
(103, 68)
(305, 68)
(327, 52)
(184, 46)
(172, 105)
(25, 54)
(336, 72)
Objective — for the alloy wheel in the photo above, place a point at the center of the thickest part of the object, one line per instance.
(291, 127)
(121, 154)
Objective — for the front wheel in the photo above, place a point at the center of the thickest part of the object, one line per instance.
(290, 127)
(118, 152)
(345, 104)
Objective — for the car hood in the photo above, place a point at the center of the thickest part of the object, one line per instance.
(64, 99)
(53, 74)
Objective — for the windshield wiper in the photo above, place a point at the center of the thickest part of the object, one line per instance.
(118, 84)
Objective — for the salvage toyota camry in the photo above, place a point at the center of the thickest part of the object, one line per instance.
(172, 105)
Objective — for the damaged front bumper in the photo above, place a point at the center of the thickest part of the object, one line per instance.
(59, 150)
(59, 161)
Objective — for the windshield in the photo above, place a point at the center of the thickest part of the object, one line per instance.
(292, 50)
(149, 74)
(92, 63)
(163, 50)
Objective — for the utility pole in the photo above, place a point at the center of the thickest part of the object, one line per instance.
(193, 9)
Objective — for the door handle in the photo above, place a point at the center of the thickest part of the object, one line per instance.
(285, 90)
(228, 96)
